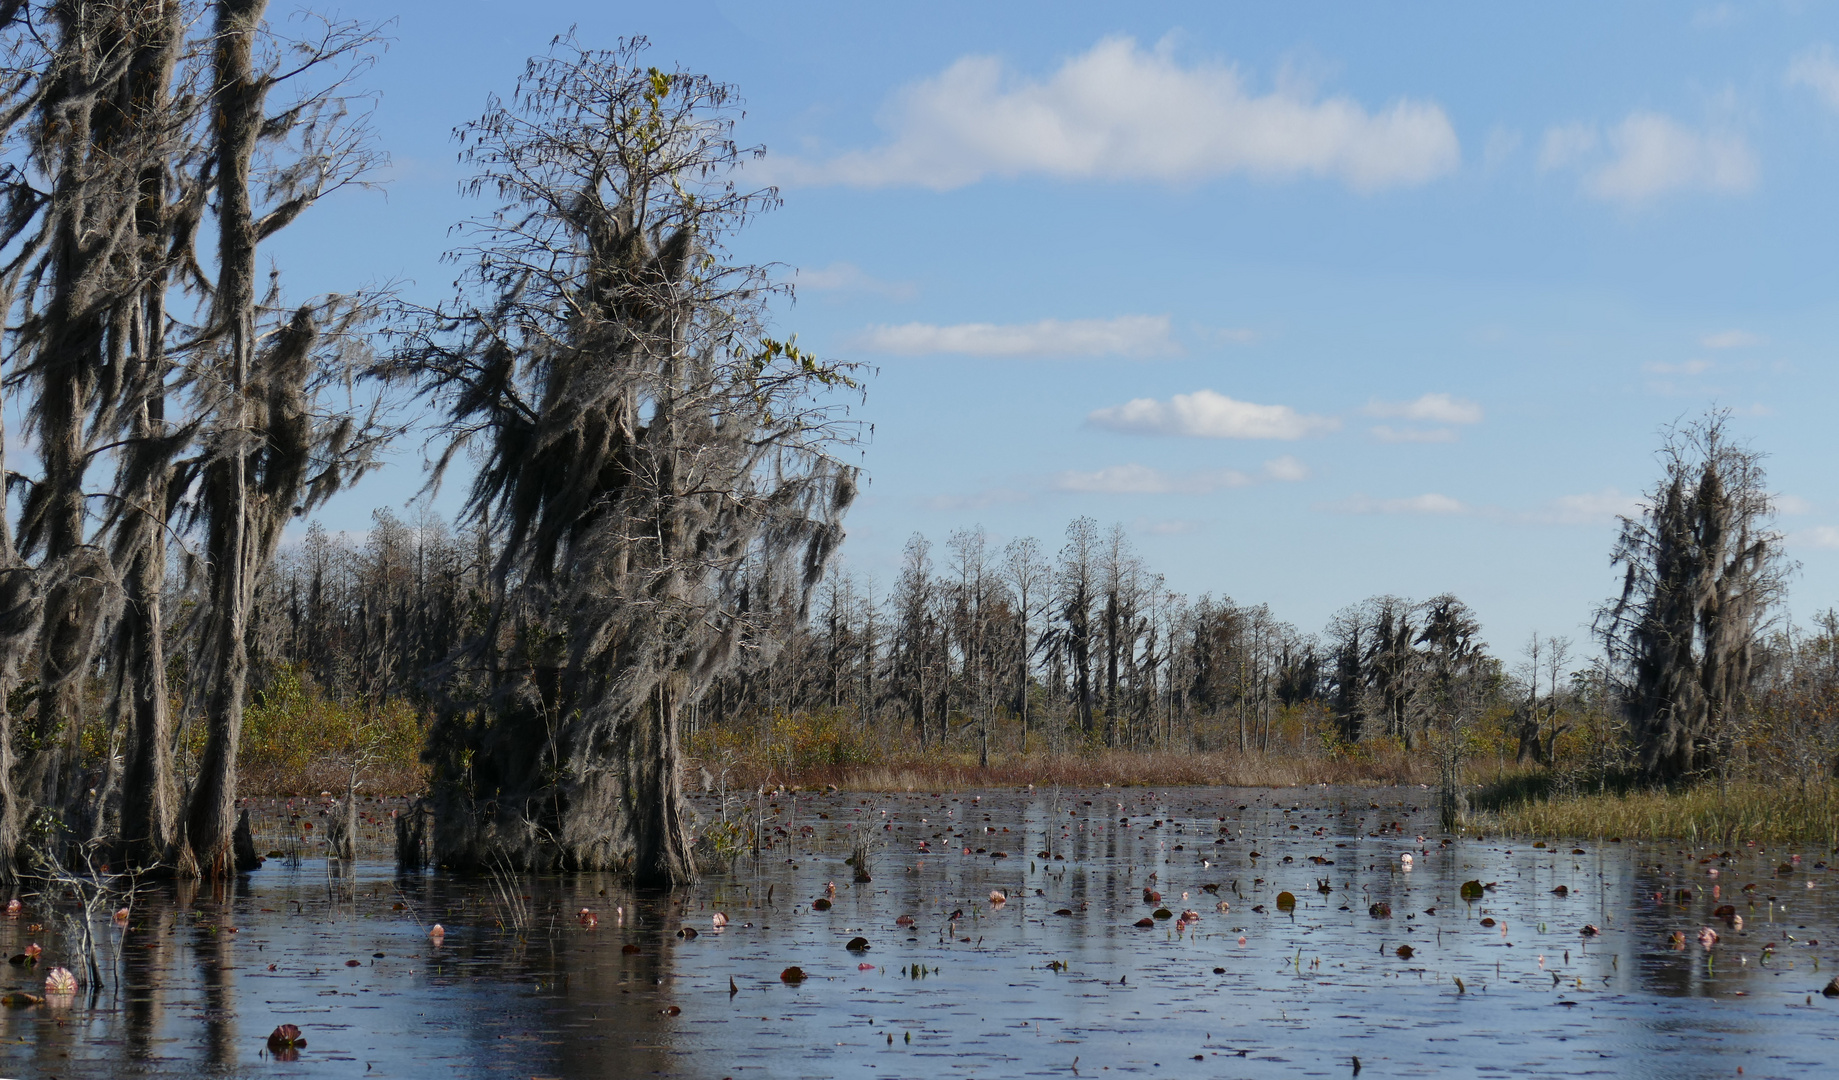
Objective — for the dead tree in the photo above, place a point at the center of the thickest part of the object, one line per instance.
(1029, 579)
(659, 470)
(1077, 589)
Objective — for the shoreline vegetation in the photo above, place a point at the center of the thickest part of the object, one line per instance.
(300, 743)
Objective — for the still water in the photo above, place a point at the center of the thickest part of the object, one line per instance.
(1056, 980)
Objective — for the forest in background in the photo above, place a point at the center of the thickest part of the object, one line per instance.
(1013, 663)
(642, 593)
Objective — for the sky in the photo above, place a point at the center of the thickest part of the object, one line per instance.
(1319, 302)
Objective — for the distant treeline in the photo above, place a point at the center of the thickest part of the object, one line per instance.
(1088, 648)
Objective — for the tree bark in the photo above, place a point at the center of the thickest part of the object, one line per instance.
(210, 816)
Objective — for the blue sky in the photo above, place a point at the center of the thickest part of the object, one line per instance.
(1320, 301)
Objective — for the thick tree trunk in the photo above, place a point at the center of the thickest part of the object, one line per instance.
(210, 816)
(73, 336)
(148, 805)
(661, 856)
(149, 794)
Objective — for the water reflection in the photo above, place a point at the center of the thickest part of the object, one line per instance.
(952, 984)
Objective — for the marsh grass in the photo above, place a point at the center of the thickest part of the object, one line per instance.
(1118, 768)
(1740, 812)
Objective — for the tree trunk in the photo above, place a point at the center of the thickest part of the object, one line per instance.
(210, 817)
(148, 808)
(661, 856)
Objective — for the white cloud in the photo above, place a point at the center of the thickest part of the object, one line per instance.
(1126, 335)
(1687, 367)
(1287, 469)
(1210, 415)
(1142, 480)
(1592, 508)
(1121, 112)
(1791, 505)
(1386, 434)
(1134, 479)
(1565, 146)
(1649, 155)
(1820, 536)
(1437, 408)
(1817, 71)
(848, 277)
(1732, 339)
(1429, 503)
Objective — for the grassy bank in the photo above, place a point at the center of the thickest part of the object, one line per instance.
(1118, 768)
(1703, 814)
(813, 750)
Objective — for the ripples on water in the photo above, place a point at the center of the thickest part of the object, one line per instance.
(1009, 990)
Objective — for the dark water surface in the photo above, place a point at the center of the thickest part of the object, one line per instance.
(523, 988)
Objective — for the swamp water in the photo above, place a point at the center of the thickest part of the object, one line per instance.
(1055, 981)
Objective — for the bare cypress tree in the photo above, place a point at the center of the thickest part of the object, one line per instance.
(1703, 571)
(912, 663)
(1029, 579)
(657, 467)
(972, 613)
(1077, 587)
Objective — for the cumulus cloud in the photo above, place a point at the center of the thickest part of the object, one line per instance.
(1820, 536)
(1437, 408)
(848, 277)
(1134, 479)
(1791, 505)
(1732, 339)
(1122, 112)
(1209, 415)
(1287, 469)
(1429, 503)
(1816, 70)
(1126, 335)
(1648, 155)
(1431, 408)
